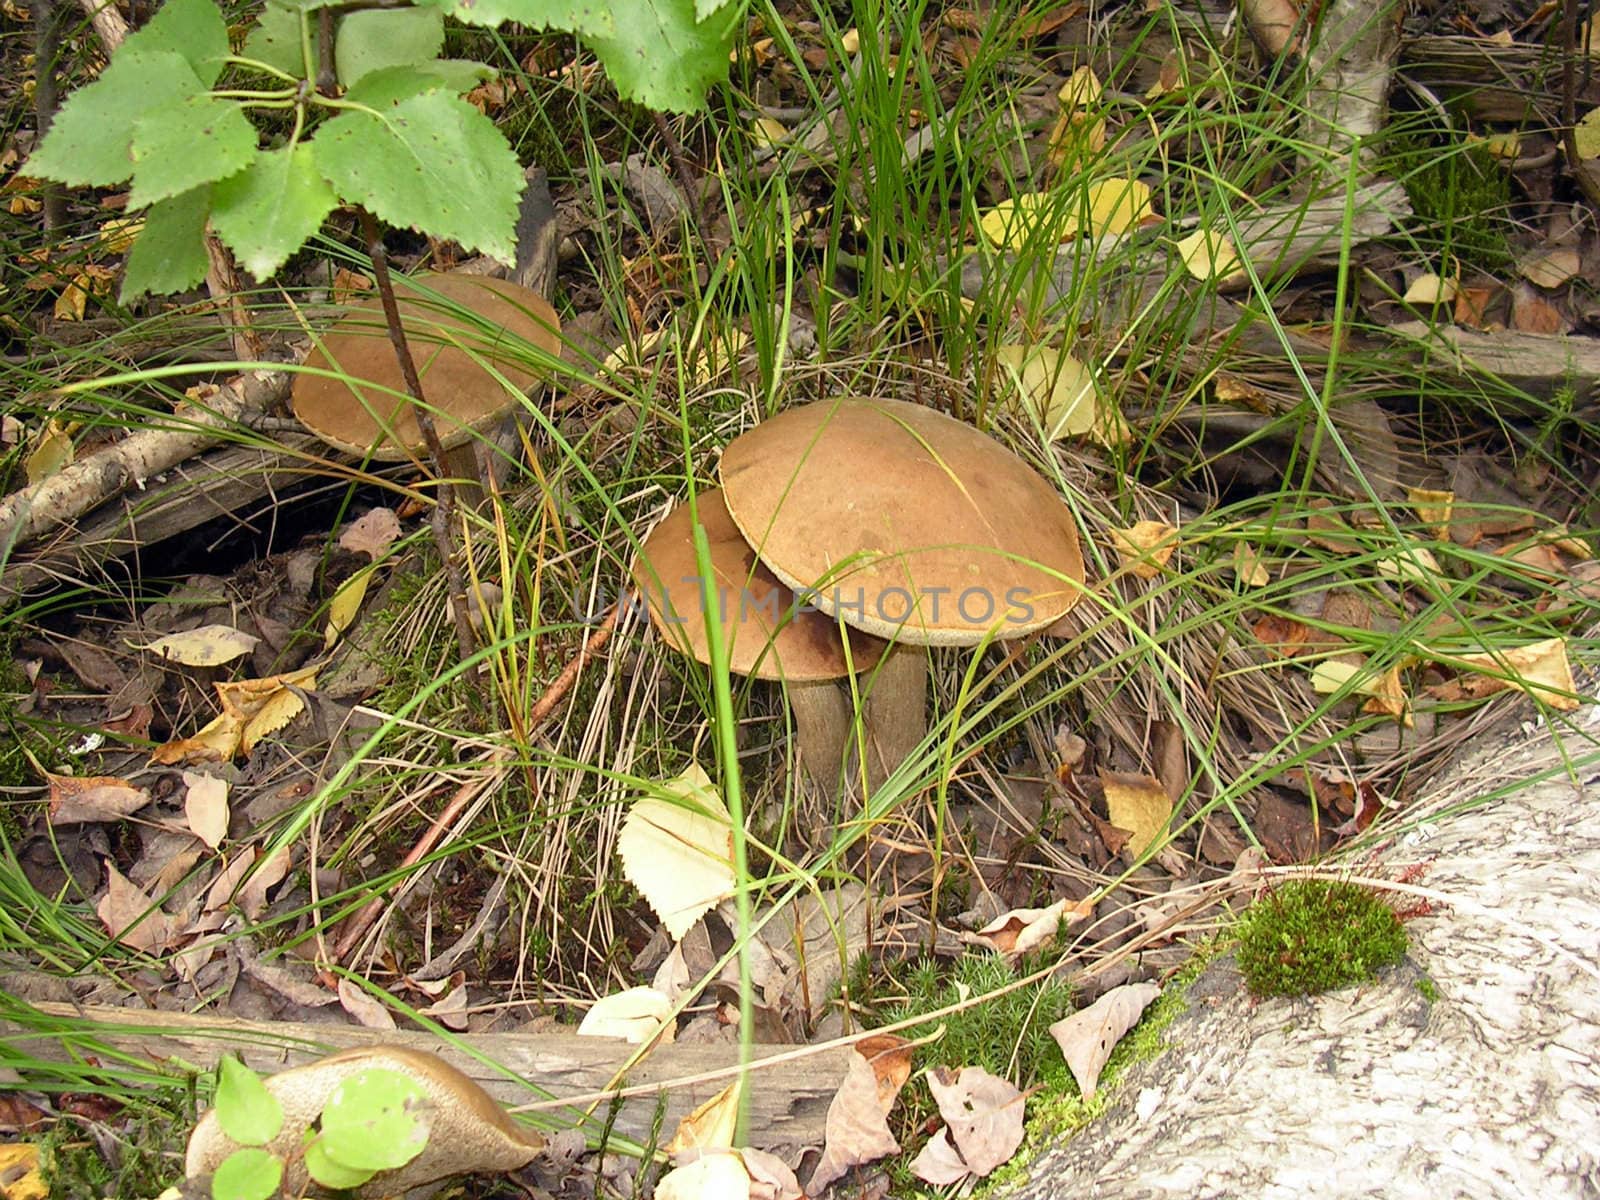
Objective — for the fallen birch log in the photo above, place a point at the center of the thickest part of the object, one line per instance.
(1472, 1070)
(788, 1101)
(130, 462)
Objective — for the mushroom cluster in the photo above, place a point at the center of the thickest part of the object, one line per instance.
(847, 536)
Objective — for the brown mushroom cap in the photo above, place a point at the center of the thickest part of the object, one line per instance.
(908, 523)
(764, 639)
(450, 351)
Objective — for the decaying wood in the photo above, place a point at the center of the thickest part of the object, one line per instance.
(129, 463)
(240, 484)
(1473, 1070)
(788, 1101)
(1519, 84)
(1349, 64)
(1539, 364)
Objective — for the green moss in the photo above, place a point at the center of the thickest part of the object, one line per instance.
(1460, 194)
(1310, 935)
(1429, 989)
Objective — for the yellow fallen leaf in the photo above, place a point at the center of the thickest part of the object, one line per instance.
(1208, 256)
(711, 1125)
(207, 646)
(1384, 691)
(1433, 508)
(1139, 804)
(1507, 147)
(20, 1178)
(768, 131)
(1429, 288)
(679, 852)
(1145, 547)
(1108, 206)
(1540, 669)
(1586, 133)
(1247, 566)
(1117, 205)
(218, 741)
(117, 235)
(1078, 135)
(344, 606)
(1412, 562)
(713, 1177)
(1056, 387)
(53, 451)
(1012, 222)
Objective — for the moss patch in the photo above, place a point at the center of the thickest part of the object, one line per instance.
(1311, 935)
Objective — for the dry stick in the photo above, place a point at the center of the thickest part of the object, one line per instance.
(108, 24)
(680, 167)
(445, 492)
(46, 49)
(1570, 49)
(469, 791)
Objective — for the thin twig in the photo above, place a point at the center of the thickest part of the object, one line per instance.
(444, 490)
(680, 167)
(562, 684)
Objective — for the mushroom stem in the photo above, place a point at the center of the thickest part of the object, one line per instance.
(821, 735)
(894, 710)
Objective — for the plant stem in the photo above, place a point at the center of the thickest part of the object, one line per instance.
(445, 492)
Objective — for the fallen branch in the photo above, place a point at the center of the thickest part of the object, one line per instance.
(80, 486)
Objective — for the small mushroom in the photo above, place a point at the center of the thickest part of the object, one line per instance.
(458, 358)
(467, 1130)
(770, 635)
(907, 524)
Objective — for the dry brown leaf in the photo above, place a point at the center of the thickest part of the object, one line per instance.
(1247, 566)
(938, 1162)
(371, 533)
(361, 1004)
(983, 1113)
(1551, 268)
(856, 1128)
(205, 807)
(75, 799)
(132, 917)
(1088, 1036)
(1020, 930)
(1472, 307)
(252, 897)
(1430, 289)
(770, 1176)
(1138, 804)
(1532, 314)
(1275, 24)
(451, 1009)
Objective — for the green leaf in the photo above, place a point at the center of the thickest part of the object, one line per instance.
(389, 86)
(193, 28)
(247, 1174)
(247, 1112)
(372, 1121)
(374, 39)
(571, 16)
(170, 254)
(179, 146)
(90, 141)
(275, 39)
(667, 59)
(328, 1172)
(433, 162)
(267, 211)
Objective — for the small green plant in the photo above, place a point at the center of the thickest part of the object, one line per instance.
(368, 1125)
(1310, 935)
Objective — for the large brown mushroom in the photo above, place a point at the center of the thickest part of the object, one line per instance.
(907, 524)
(769, 636)
(458, 357)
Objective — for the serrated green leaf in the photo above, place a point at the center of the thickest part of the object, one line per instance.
(377, 38)
(247, 1112)
(432, 162)
(192, 28)
(373, 1120)
(571, 16)
(275, 39)
(328, 1172)
(267, 211)
(90, 141)
(389, 86)
(179, 146)
(665, 58)
(170, 254)
(247, 1174)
